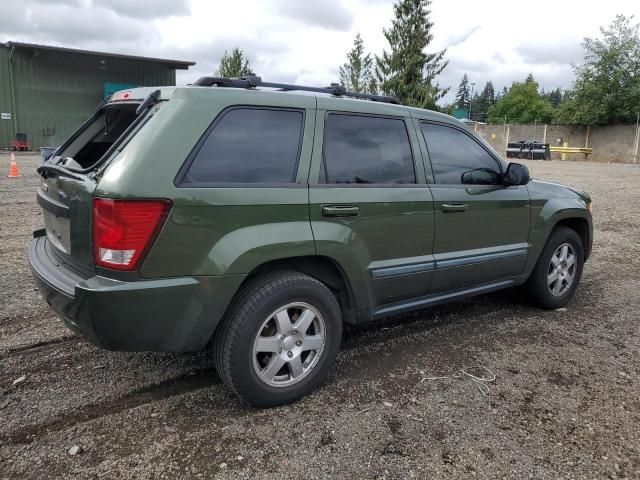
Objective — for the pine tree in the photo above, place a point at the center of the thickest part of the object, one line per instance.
(529, 78)
(407, 72)
(483, 102)
(464, 95)
(554, 97)
(357, 73)
(235, 64)
(489, 93)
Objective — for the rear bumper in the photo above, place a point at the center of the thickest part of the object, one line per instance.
(589, 248)
(169, 314)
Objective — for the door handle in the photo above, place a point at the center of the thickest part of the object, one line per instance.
(453, 207)
(340, 211)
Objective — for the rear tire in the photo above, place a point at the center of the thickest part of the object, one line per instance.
(557, 273)
(279, 339)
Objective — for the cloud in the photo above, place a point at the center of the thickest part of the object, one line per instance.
(76, 3)
(559, 53)
(330, 14)
(459, 38)
(498, 57)
(51, 23)
(144, 9)
(298, 41)
(97, 24)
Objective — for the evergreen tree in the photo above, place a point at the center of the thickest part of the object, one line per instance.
(529, 78)
(554, 96)
(407, 72)
(483, 101)
(607, 86)
(464, 95)
(357, 73)
(489, 93)
(235, 64)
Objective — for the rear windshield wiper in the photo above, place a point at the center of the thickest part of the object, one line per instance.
(148, 102)
(47, 170)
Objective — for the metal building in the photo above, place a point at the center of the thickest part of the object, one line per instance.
(47, 92)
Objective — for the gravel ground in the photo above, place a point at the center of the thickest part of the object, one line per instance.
(565, 402)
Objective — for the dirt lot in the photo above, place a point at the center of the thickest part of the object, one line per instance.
(565, 402)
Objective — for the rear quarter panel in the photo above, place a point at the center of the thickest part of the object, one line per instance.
(221, 230)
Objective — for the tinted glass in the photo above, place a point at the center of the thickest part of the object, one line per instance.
(249, 145)
(457, 158)
(360, 149)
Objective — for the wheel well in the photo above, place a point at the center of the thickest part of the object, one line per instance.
(322, 269)
(581, 227)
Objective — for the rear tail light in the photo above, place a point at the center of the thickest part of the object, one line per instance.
(124, 230)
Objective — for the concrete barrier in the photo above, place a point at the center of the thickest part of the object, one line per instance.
(611, 143)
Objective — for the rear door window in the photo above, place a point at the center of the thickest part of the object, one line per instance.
(366, 150)
(248, 145)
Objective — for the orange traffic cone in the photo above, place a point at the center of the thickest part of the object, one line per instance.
(13, 169)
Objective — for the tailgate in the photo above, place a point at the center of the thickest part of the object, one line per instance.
(69, 178)
(66, 209)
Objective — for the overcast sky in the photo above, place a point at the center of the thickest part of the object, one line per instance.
(306, 41)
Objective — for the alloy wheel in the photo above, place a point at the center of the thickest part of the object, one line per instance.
(289, 344)
(562, 270)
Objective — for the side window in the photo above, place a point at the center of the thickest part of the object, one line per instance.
(456, 158)
(249, 145)
(362, 149)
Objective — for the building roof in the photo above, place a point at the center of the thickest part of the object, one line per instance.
(177, 64)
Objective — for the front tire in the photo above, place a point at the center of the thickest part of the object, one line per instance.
(557, 273)
(279, 339)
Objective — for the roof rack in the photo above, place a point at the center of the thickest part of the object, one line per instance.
(253, 81)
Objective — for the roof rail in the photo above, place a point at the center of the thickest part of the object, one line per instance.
(253, 81)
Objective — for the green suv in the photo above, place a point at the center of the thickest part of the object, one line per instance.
(259, 218)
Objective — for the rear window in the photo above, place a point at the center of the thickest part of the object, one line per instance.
(366, 149)
(98, 136)
(248, 145)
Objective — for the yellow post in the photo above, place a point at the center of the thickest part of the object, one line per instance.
(564, 155)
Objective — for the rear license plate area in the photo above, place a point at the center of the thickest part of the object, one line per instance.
(57, 231)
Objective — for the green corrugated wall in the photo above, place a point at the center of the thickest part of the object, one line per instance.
(6, 126)
(56, 91)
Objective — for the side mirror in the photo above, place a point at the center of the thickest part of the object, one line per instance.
(516, 174)
(480, 176)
